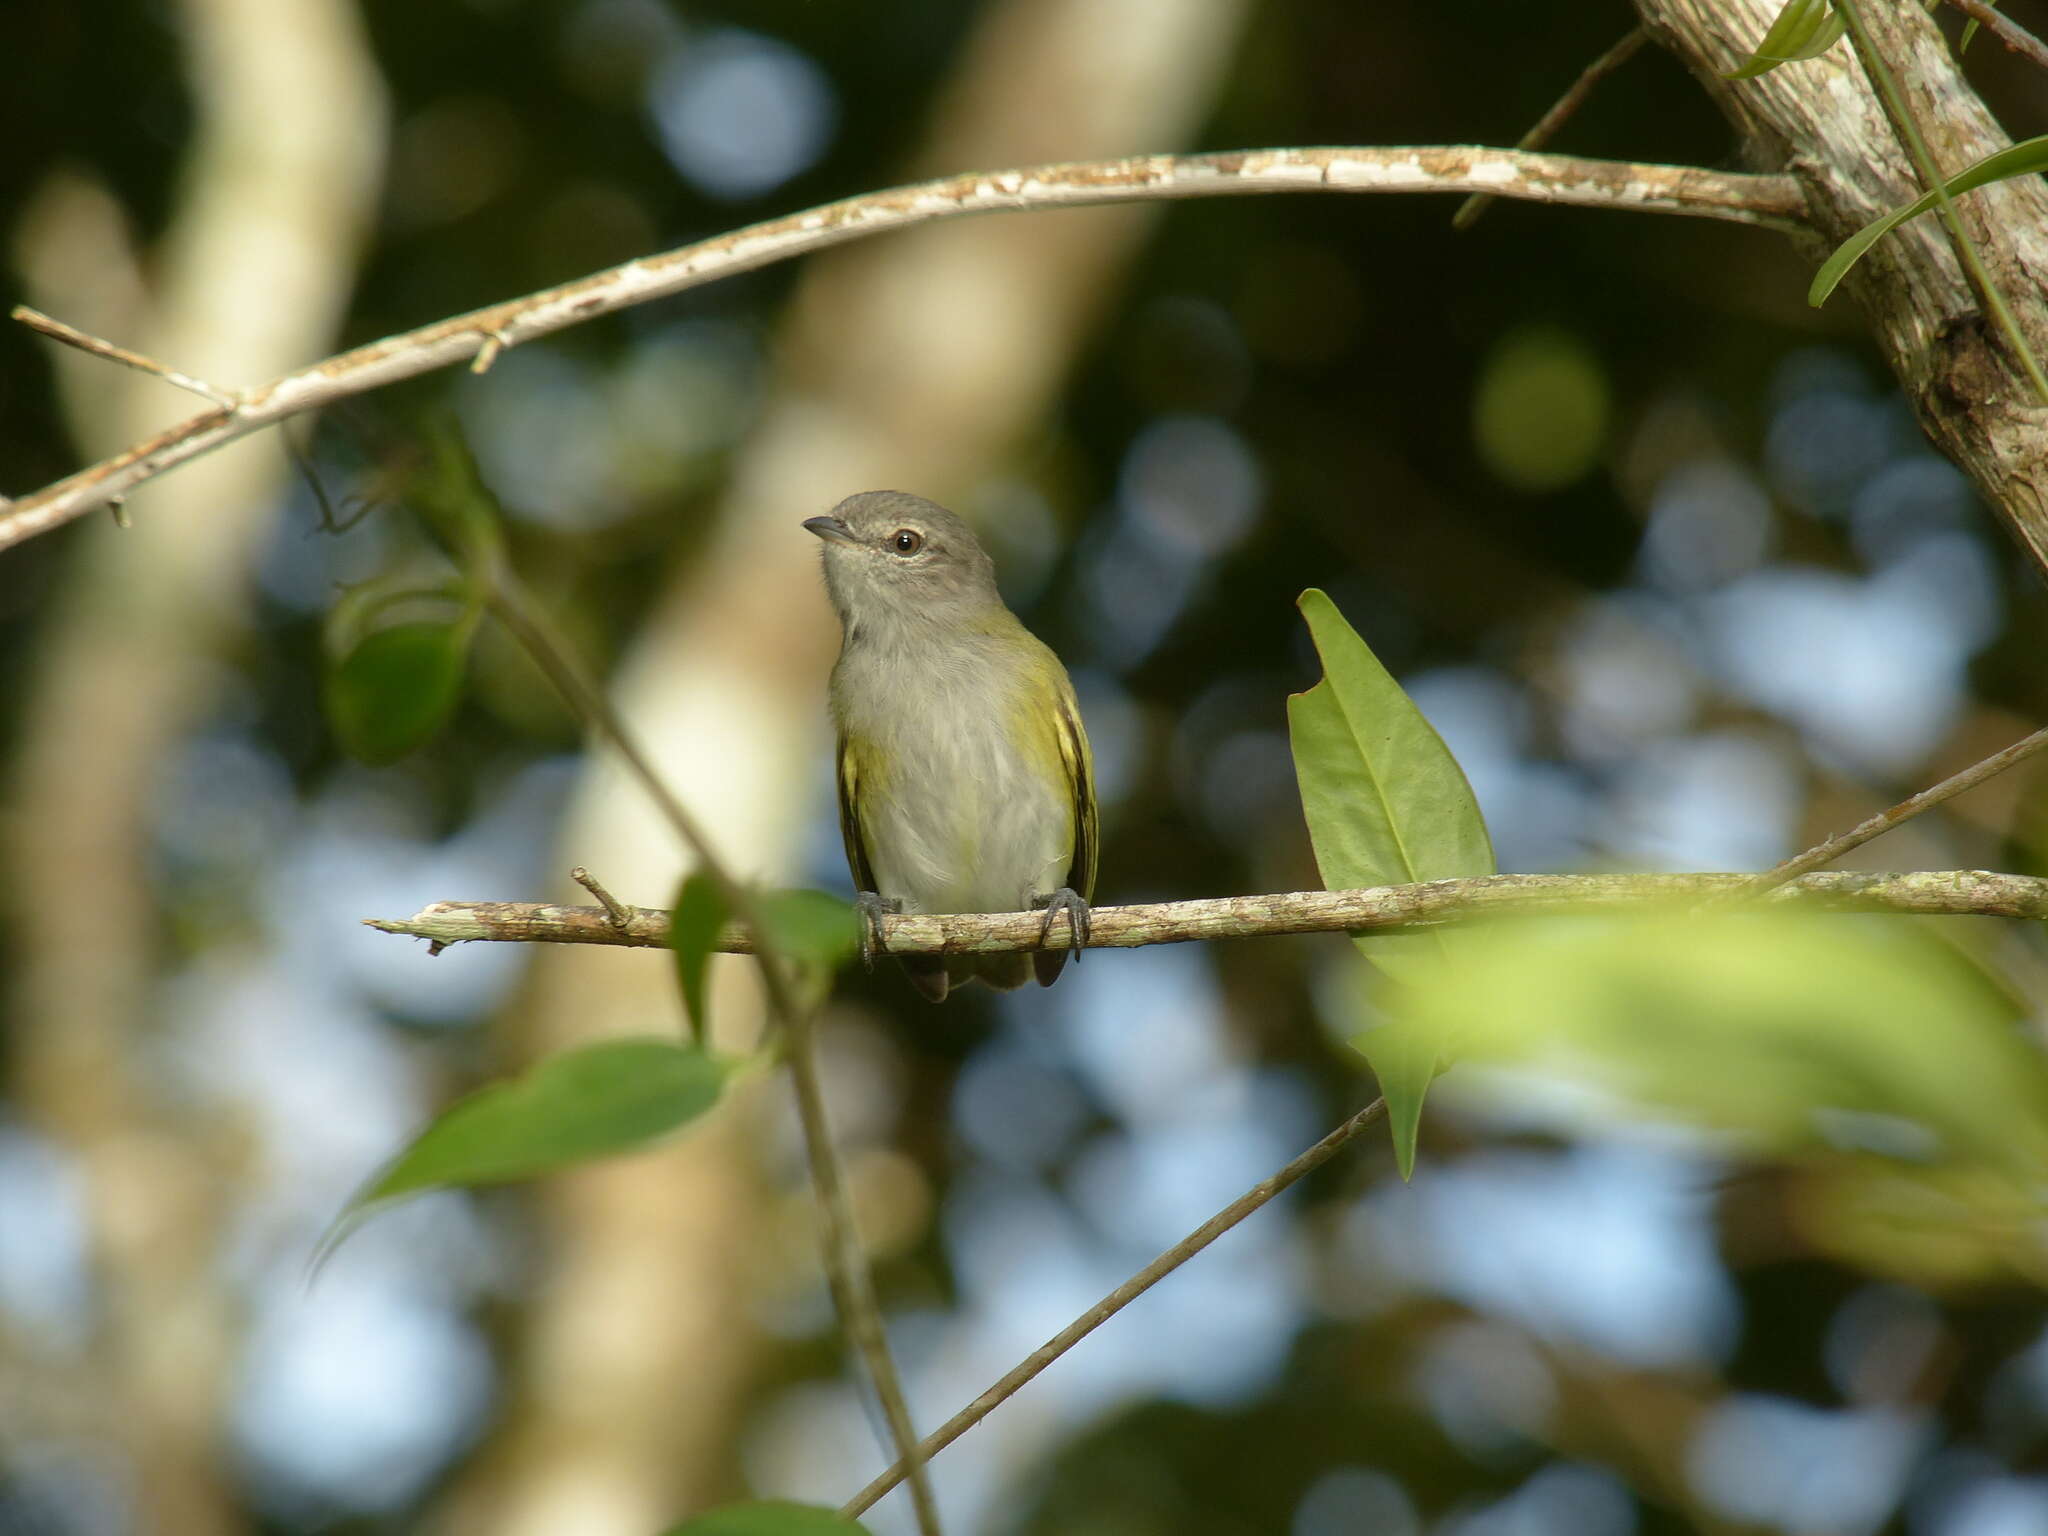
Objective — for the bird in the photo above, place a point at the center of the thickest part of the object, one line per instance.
(966, 783)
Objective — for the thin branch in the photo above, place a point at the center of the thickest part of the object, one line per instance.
(853, 1288)
(1968, 892)
(1207, 1233)
(1560, 113)
(616, 912)
(1907, 128)
(2006, 30)
(845, 1264)
(85, 341)
(1772, 201)
(1824, 853)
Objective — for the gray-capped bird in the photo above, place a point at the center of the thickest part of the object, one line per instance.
(965, 781)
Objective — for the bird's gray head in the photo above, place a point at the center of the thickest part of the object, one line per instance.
(890, 555)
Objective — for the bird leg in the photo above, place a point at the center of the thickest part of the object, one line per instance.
(1070, 901)
(871, 906)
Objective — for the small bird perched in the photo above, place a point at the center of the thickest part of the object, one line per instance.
(965, 781)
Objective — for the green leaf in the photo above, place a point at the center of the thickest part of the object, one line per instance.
(769, 1518)
(396, 688)
(693, 923)
(1805, 29)
(1795, 1034)
(592, 1102)
(1386, 804)
(2018, 160)
(1969, 33)
(814, 932)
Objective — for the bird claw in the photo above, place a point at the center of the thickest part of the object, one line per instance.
(1079, 927)
(871, 908)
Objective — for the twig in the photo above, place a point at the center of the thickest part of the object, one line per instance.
(1772, 201)
(845, 1265)
(1120, 1298)
(1560, 113)
(72, 336)
(2006, 30)
(1907, 127)
(853, 1288)
(1833, 848)
(617, 913)
(1968, 892)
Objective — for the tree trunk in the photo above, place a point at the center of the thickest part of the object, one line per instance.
(1821, 121)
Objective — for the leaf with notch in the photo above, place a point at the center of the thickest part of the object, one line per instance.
(1386, 804)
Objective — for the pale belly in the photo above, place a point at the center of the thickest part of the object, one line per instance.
(990, 836)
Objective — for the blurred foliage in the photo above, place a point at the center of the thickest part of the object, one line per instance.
(595, 1101)
(1788, 1034)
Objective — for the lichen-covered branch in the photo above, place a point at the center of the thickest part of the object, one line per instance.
(1967, 892)
(485, 333)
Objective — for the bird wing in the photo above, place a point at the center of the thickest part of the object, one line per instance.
(1080, 766)
(849, 819)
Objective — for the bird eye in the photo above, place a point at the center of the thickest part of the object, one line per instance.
(907, 541)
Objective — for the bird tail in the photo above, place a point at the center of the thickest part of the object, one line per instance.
(936, 975)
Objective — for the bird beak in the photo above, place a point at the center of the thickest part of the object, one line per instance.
(830, 528)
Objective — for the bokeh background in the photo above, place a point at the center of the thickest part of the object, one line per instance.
(1657, 547)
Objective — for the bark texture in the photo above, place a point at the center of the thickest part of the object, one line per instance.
(1820, 121)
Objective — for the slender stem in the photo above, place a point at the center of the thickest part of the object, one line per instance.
(1207, 1233)
(1826, 852)
(72, 336)
(852, 1285)
(845, 1264)
(1561, 112)
(1908, 130)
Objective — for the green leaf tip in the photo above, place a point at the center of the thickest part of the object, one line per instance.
(1804, 29)
(596, 1101)
(2020, 159)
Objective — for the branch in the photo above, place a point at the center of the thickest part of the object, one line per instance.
(1560, 113)
(1120, 1298)
(1820, 120)
(1833, 848)
(1969, 892)
(1768, 200)
(845, 1262)
(2006, 30)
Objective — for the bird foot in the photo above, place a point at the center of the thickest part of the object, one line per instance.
(1071, 902)
(871, 908)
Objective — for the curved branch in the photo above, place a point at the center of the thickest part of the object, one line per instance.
(1768, 200)
(1969, 892)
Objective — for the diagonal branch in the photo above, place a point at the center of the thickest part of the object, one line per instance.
(2005, 29)
(1969, 892)
(1079, 1329)
(1768, 200)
